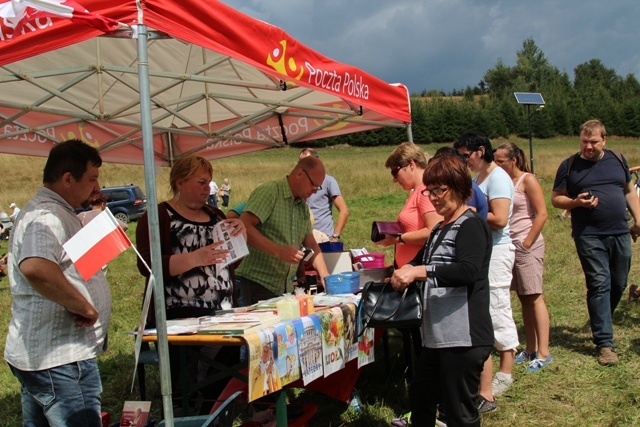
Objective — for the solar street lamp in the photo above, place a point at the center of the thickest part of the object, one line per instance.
(530, 99)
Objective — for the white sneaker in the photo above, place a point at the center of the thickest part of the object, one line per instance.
(500, 383)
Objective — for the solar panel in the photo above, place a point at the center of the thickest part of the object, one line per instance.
(529, 98)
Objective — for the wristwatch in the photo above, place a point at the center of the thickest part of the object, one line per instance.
(400, 239)
(335, 236)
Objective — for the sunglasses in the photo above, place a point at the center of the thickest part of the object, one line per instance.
(395, 170)
(466, 156)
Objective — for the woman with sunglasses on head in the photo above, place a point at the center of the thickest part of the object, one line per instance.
(418, 216)
(452, 268)
(476, 149)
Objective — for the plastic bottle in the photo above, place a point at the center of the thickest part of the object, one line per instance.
(355, 402)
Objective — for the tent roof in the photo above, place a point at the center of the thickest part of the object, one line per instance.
(222, 84)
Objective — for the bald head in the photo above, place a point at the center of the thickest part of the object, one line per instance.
(306, 177)
(308, 152)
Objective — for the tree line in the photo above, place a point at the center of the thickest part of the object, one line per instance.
(490, 107)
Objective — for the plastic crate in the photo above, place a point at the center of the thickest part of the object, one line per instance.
(331, 246)
(372, 260)
(343, 283)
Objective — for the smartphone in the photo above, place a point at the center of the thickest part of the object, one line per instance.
(588, 191)
(308, 253)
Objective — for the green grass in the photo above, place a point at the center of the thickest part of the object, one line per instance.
(571, 391)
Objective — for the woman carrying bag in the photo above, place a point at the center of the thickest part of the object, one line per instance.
(457, 334)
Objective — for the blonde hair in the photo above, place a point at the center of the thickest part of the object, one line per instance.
(404, 153)
(186, 168)
(593, 127)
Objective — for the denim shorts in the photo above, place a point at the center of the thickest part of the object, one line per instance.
(67, 395)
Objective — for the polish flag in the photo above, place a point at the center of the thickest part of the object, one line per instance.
(97, 243)
(17, 13)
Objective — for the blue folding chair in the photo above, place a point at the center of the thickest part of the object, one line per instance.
(222, 417)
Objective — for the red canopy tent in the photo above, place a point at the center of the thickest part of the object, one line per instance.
(179, 77)
(221, 84)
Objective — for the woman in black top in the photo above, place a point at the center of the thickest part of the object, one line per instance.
(457, 334)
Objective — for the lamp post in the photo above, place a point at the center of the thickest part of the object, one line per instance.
(531, 113)
(530, 99)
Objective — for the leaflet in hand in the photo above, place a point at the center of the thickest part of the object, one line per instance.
(236, 245)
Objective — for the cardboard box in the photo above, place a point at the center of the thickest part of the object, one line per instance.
(338, 262)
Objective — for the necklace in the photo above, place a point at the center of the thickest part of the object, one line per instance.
(188, 213)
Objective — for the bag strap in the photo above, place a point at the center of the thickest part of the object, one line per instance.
(617, 154)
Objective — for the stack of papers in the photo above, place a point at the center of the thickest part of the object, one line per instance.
(237, 323)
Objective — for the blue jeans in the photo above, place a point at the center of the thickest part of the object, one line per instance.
(67, 395)
(605, 261)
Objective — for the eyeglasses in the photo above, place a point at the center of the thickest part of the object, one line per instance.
(315, 187)
(395, 170)
(435, 192)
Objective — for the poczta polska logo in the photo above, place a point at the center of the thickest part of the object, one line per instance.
(332, 80)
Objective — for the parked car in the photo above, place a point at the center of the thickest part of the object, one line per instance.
(126, 202)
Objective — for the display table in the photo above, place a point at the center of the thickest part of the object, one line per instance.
(314, 347)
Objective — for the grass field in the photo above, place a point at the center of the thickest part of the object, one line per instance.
(573, 391)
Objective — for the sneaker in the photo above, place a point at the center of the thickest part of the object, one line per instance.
(500, 384)
(523, 356)
(485, 405)
(633, 293)
(403, 421)
(606, 356)
(537, 364)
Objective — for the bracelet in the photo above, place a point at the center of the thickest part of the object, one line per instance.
(400, 239)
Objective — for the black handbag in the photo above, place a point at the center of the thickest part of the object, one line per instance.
(381, 306)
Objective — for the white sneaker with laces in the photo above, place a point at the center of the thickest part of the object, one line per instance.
(500, 383)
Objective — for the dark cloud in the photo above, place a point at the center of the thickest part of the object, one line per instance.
(445, 45)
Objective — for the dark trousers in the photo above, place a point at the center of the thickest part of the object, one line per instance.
(451, 377)
(252, 292)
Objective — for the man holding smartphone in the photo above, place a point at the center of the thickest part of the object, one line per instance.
(596, 186)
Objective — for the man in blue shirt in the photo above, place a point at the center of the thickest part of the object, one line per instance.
(596, 186)
(322, 202)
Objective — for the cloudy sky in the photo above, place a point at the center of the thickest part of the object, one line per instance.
(450, 44)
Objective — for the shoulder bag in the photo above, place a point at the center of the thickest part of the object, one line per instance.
(381, 306)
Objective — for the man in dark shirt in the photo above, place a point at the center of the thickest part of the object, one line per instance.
(596, 186)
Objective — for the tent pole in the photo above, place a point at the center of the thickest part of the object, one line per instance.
(409, 133)
(154, 233)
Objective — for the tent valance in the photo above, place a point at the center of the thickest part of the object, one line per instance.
(222, 84)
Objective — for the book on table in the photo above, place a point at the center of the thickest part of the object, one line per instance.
(237, 323)
(230, 328)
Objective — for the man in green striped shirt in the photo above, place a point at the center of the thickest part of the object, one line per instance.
(278, 226)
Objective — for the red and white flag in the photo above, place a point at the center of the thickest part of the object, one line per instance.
(18, 12)
(97, 243)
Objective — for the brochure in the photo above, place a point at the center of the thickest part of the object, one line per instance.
(135, 413)
(236, 245)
